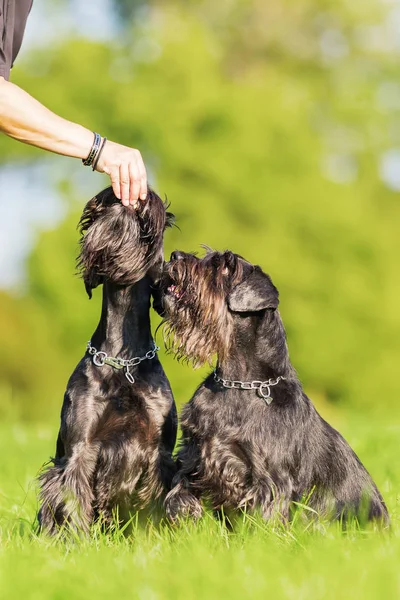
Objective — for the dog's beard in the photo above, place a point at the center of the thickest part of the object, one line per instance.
(197, 323)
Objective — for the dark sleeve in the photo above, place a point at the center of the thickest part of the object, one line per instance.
(13, 16)
(5, 61)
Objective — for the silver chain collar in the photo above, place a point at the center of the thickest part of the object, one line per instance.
(101, 358)
(263, 387)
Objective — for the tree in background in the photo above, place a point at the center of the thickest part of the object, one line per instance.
(266, 125)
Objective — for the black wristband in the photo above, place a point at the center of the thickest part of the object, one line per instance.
(96, 159)
(94, 150)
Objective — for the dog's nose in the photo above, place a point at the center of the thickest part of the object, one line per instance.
(177, 255)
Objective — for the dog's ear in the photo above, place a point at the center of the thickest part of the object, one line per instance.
(88, 260)
(91, 281)
(256, 292)
(169, 219)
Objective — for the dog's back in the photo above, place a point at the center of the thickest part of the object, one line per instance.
(340, 485)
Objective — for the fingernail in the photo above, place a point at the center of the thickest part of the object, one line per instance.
(143, 196)
(125, 202)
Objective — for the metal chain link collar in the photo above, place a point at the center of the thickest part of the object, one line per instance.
(263, 387)
(101, 358)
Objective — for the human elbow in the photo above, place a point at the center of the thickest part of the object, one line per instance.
(3, 87)
(4, 94)
(4, 104)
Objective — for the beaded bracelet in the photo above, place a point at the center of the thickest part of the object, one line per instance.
(88, 161)
(96, 158)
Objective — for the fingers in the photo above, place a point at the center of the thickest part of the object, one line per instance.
(143, 185)
(138, 179)
(135, 184)
(142, 179)
(113, 173)
(127, 172)
(124, 181)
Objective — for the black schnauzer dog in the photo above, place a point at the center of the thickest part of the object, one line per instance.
(118, 421)
(252, 439)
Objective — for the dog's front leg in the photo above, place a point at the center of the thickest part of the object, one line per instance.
(66, 492)
(183, 500)
(274, 498)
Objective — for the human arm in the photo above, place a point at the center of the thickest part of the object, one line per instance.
(25, 119)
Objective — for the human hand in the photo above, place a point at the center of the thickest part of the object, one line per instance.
(127, 172)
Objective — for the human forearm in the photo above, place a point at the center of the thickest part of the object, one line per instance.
(25, 119)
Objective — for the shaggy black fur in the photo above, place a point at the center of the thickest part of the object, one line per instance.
(238, 451)
(114, 448)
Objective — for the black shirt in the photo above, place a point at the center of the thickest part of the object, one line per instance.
(13, 16)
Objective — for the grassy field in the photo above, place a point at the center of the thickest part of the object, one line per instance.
(202, 561)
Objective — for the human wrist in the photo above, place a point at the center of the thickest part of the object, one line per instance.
(80, 139)
(98, 154)
(104, 158)
(89, 159)
(92, 158)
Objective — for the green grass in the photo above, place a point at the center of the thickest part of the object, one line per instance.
(202, 561)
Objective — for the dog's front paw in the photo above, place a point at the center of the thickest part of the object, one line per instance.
(180, 503)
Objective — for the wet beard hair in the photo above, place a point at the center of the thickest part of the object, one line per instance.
(120, 243)
(198, 324)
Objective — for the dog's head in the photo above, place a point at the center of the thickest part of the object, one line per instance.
(204, 299)
(121, 243)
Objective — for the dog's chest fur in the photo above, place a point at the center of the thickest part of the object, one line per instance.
(237, 441)
(128, 425)
(113, 406)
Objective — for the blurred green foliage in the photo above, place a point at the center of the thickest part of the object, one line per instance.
(265, 124)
